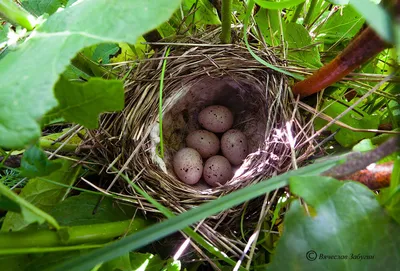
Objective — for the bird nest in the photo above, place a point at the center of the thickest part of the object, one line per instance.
(195, 77)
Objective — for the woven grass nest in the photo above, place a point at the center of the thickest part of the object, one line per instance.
(197, 76)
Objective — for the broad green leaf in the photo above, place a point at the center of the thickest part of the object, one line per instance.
(268, 23)
(297, 37)
(346, 137)
(14, 262)
(78, 210)
(39, 7)
(344, 24)
(34, 163)
(364, 145)
(73, 72)
(36, 262)
(42, 194)
(390, 197)
(150, 262)
(348, 222)
(9, 205)
(185, 219)
(121, 263)
(205, 13)
(28, 212)
(103, 52)
(29, 73)
(377, 18)
(83, 102)
(278, 5)
(339, 2)
(246, 21)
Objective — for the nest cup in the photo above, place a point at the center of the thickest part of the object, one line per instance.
(196, 77)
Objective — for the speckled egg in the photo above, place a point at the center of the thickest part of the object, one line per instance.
(188, 165)
(234, 146)
(205, 142)
(217, 170)
(216, 118)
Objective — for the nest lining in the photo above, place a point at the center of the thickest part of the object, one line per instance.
(196, 77)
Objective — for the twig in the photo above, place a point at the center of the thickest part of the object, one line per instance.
(359, 161)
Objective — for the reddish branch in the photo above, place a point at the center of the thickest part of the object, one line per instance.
(356, 166)
(375, 177)
(362, 48)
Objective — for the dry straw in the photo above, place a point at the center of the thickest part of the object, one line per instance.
(196, 76)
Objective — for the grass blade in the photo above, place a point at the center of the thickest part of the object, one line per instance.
(160, 230)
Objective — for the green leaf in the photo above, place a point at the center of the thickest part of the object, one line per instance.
(36, 262)
(42, 194)
(103, 52)
(346, 137)
(34, 163)
(278, 5)
(28, 212)
(297, 37)
(73, 72)
(14, 262)
(78, 210)
(29, 74)
(150, 262)
(9, 205)
(390, 197)
(179, 222)
(121, 263)
(83, 102)
(343, 24)
(377, 18)
(348, 223)
(205, 12)
(364, 145)
(39, 7)
(268, 23)
(339, 2)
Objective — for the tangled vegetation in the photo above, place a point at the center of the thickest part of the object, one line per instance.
(91, 95)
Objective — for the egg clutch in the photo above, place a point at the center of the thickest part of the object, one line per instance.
(211, 153)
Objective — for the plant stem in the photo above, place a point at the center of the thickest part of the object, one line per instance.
(30, 250)
(28, 207)
(363, 47)
(297, 12)
(310, 12)
(226, 21)
(13, 13)
(67, 236)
